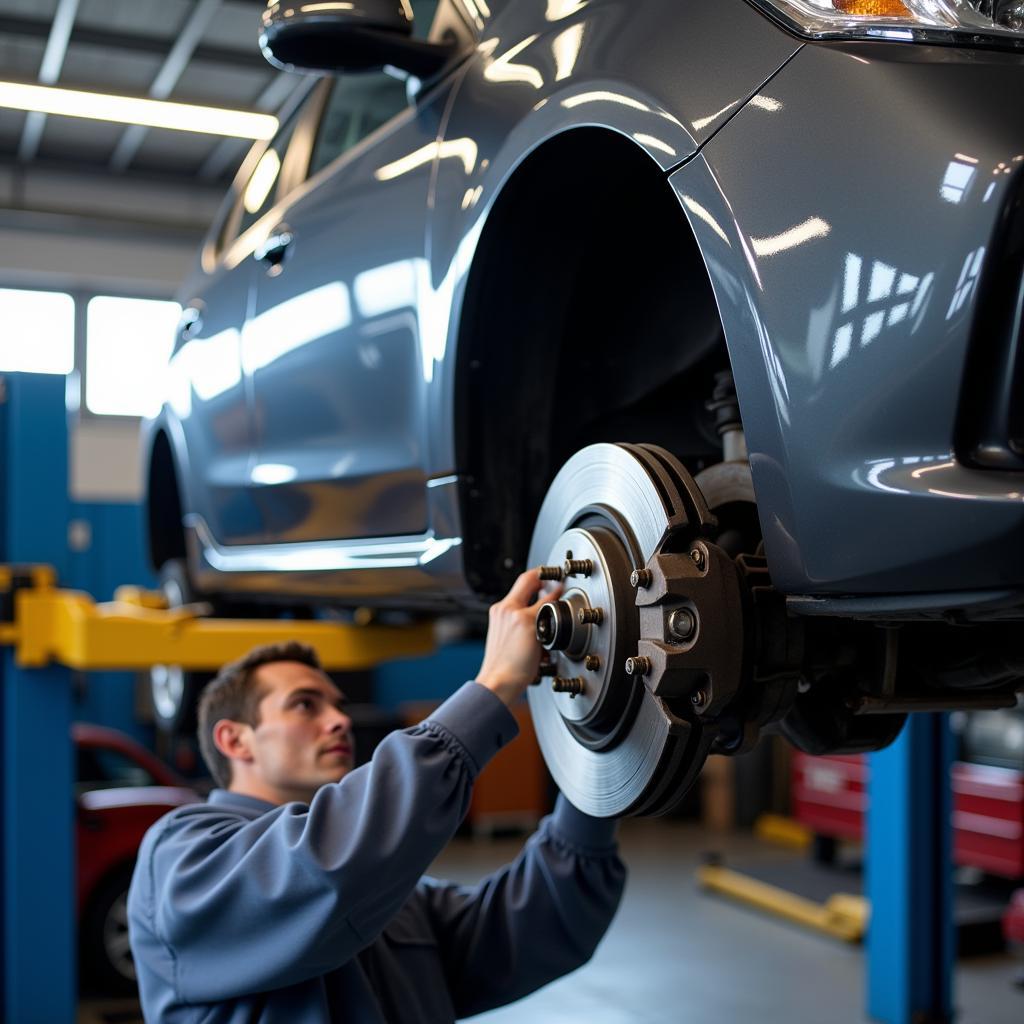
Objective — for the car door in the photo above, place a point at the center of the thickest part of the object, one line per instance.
(207, 391)
(333, 346)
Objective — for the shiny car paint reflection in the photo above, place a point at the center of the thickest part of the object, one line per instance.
(843, 198)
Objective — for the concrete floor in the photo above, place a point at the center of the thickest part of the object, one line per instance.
(675, 954)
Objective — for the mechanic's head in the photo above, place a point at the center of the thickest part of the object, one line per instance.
(271, 725)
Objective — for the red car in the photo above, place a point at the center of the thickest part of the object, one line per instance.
(121, 789)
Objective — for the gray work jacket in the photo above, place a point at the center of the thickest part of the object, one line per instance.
(308, 914)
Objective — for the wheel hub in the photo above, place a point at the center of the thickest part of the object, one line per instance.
(587, 631)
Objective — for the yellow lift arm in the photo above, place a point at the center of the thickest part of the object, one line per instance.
(46, 624)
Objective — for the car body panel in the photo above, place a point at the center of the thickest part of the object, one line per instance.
(592, 63)
(210, 405)
(110, 826)
(656, 80)
(110, 822)
(333, 345)
(844, 260)
(848, 340)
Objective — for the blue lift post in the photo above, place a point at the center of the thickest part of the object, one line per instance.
(911, 946)
(38, 869)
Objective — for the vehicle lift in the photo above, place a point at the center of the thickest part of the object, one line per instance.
(46, 634)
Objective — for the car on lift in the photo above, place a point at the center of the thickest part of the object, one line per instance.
(121, 789)
(714, 310)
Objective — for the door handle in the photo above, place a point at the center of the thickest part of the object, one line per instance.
(272, 251)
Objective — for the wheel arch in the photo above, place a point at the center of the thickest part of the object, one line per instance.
(587, 289)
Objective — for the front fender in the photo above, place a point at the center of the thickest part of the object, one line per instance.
(667, 76)
(845, 217)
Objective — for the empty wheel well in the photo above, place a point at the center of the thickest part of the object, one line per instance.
(589, 316)
(166, 535)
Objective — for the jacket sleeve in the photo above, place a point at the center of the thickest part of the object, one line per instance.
(250, 905)
(537, 919)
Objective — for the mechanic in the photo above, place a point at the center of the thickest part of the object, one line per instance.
(294, 894)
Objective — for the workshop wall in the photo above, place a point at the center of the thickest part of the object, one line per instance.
(427, 679)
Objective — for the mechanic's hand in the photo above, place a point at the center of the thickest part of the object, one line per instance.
(512, 653)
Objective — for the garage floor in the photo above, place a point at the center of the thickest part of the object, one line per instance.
(675, 954)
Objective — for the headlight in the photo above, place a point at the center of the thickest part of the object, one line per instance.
(967, 22)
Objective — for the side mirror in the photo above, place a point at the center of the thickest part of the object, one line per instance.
(359, 35)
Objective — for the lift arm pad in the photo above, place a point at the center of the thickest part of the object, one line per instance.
(68, 627)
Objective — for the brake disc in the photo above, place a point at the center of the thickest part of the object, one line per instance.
(646, 642)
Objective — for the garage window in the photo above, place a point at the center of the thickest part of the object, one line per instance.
(127, 344)
(39, 331)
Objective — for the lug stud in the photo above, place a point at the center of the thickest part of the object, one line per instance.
(552, 572)
(578, 567)
(638, 665)
(547, 668)
(682, 623)
(640, 579)
(699, 558)
(698, 699)
(591, 662)
(590, 616)
(572, 686)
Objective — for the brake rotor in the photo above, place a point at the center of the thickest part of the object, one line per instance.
(618, 742)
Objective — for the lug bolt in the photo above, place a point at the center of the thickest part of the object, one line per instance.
(699, 558)
(682, 623)
(591, 662)
(552, 572)
(578, 567)
(641, 578)
(698, 699)
(591, 615)
(572, 686)
(638, 665)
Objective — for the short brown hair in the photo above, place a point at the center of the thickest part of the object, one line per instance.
(233, 694)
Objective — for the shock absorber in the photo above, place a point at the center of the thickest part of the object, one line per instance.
(726, 407)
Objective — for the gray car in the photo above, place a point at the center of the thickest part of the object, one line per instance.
(714, 309)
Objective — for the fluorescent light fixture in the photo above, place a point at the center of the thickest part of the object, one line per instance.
(184, 117)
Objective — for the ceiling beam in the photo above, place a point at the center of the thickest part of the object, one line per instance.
(39, 28)
(166, 78)
(49, 72)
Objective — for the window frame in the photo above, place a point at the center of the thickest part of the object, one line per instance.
(80, 371)
(299, 106)
(52, 289)
(76, 378)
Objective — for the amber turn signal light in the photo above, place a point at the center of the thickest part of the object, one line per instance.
(873, 8)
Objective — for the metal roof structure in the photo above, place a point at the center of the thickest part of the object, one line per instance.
(53, 168)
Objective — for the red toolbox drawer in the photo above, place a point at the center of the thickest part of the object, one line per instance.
(829, 793)
(829, 796)
(988, 818)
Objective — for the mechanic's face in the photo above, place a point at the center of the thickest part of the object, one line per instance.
(304, 738)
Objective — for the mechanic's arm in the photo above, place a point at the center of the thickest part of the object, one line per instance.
(257, 905)
(535, 920)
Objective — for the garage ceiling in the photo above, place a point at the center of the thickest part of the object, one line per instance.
(197, 51)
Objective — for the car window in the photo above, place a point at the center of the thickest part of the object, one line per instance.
(105, 768)
(260, 191)
(359, 103)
